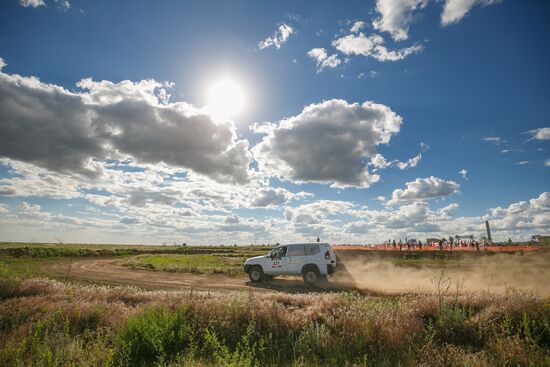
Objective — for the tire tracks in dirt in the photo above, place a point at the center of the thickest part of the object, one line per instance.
(105, 271)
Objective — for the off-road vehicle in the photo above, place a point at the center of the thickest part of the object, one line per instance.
(314, 261)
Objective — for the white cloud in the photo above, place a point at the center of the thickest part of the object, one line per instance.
(542, 133)
(412, 162)
(547, 163)
(63, 4)
(395, 16)
(357, 26)
(523, 163)
(532, 214)
(371, 74)
(423, 189)
(2, 63)
(455, 10)
(4, 208)
(275, 197)
(279, 38)
(32, 3)
(446, 211)
(464, 173)
(372, 46)
(327, 143)
(379, 162)
(71, 132)
(494, 139)
(322, 59)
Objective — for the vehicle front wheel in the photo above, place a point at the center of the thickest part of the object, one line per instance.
(311, 275)
(256, 274)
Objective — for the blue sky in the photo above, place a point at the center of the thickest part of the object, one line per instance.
(402, 96)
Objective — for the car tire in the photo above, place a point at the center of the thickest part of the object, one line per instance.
(311, 275)
(256, 274)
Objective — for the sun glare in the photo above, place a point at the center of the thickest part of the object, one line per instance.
(226, 98)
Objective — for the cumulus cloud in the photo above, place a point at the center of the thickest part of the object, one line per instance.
(357, 26)
(242, 227)
(312, 218)
(455, 10)
(379, 162)
(4, 208)
(423, 189)
(446, 211)
(32, 3)
(328, 142)
(463, 173)
(69, 132)
(2, 63)
(232, 219)
(372, 46)
(395, 17)
(358, 227)
(412, 162)
(275, 197)
(542, 133)
(279, 38)
(532, 214)
(547, 163)
(322, 59)
(63, 4)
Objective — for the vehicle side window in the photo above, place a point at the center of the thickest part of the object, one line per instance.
(312, 250)
(279, 252)
(296, 250)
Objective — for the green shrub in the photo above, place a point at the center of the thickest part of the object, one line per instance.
(155, 336)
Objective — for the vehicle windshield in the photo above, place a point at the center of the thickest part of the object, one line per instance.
(277, 252)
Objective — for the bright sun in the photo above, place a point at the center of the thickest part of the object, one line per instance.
(225, 98)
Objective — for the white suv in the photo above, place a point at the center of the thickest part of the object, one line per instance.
(312, 260)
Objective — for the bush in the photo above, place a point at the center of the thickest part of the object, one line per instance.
(155, 336)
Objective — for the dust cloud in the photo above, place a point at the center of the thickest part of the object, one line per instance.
(473, 273)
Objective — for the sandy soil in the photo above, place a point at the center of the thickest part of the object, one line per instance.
(104, 270)
(367, 274)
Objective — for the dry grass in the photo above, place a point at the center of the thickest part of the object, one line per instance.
(45, 322)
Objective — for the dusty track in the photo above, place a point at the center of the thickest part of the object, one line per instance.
(104, 270)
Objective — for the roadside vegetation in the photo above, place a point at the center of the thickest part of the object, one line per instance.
(226, 263)
(50, 323)
(8, 249)
(45, 322)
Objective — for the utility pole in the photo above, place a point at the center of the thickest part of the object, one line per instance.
(489, 239)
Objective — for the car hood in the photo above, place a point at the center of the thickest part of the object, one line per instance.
(255, 258)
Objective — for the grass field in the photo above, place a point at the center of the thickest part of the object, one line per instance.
(41, 250)
(209, 263)
(45, 322)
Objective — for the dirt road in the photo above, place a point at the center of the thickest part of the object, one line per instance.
(104, 270)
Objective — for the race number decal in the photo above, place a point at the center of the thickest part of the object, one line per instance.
(276, 264)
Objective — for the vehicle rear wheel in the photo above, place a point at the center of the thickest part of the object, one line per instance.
(256, 274)
(311, 275)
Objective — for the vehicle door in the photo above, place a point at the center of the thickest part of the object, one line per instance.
(277, 261)
(295, 259)
(313, 255)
